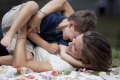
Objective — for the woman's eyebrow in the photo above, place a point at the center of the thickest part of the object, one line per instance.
(75, 47)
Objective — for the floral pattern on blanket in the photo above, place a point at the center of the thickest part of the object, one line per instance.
(10, 73)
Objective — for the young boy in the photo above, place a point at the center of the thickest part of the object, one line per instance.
(57, 28)
(19, 16)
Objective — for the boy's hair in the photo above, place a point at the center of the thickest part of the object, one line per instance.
(97, 51)
(85, 20)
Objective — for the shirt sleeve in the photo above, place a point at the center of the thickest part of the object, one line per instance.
(63, 42)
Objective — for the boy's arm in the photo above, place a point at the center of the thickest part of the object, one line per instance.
(70, 59)
(50, 47)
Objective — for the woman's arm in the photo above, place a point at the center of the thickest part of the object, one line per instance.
(20, 55)
(58, 6)
(52, 6)
(70, 59)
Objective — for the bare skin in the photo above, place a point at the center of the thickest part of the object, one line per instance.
(34, 21)
(59, 6)
(21, 53)
(8, 59)
(19, 22)
(36, 37)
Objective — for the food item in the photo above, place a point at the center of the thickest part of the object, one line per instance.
(55, 73)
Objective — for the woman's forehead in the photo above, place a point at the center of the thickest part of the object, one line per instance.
(79, 37)
(79, 42)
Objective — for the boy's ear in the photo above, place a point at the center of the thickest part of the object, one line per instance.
(71, 23)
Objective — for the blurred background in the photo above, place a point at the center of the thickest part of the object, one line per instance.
(107, 11)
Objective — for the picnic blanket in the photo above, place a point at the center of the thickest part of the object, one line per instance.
(10, 73)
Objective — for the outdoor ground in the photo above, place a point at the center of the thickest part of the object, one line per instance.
(110, 27)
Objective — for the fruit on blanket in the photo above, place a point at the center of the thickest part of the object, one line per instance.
(19, 70)
(55, 73)
(30, 77)
(22, 70)
(20, 79)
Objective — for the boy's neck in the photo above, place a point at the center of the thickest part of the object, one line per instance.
(62, 25)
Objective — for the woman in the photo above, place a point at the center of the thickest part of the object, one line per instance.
(90, 50)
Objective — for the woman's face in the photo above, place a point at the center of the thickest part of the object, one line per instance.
(75, 47)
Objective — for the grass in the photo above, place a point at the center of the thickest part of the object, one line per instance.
(115, 54)
(115, 57)
(109, 26)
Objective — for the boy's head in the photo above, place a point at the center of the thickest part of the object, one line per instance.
(84, 20)
(91, 48)
(80, 22)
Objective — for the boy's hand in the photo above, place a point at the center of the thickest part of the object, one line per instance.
(53, 48)
(34, 23)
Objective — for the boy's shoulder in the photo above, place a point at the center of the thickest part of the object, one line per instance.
(55, 15)
(52, 19)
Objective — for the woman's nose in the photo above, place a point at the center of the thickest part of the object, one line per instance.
(70, 43)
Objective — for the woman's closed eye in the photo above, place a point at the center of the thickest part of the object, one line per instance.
(75, 47)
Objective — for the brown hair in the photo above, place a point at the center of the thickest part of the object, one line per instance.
(85, 20)
(97, 51)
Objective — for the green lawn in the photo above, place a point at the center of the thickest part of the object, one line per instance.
(116, 57)
(110, 27)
